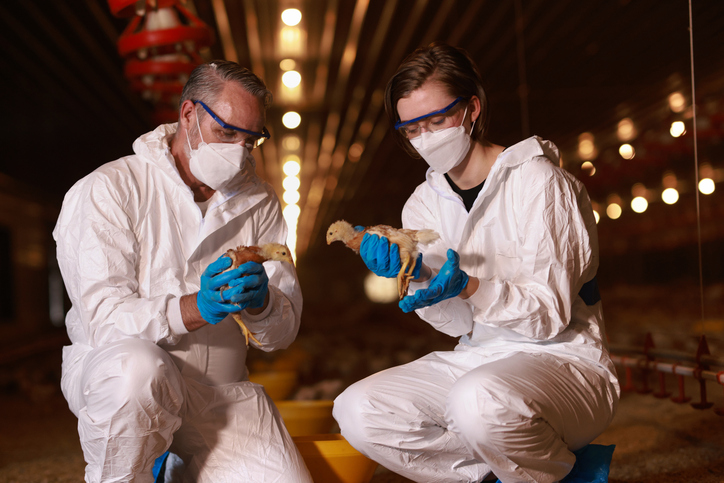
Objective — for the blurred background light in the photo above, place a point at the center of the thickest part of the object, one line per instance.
(291, 78)
(677, 129)
(677, 103)
(670, 196)
(706, 186)
(639, 204)
(613, 211)
(291, 183)
(291, 17)
(291, 120)
(380, 290)
(626, 151)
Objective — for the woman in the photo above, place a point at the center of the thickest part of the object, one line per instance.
(512, 275)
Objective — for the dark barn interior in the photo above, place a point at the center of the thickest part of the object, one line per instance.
(590, 76)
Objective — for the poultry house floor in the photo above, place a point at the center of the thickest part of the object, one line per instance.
(656, 440)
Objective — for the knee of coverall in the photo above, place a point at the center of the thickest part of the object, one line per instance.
(481, 405)
(351, 411)
(128, 371)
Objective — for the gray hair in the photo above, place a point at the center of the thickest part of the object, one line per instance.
(207, 81)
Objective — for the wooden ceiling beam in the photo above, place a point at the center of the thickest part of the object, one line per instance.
(224, 30)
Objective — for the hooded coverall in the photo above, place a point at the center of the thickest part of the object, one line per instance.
(531, 378)
(130, 242)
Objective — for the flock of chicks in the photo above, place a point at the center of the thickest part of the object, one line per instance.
(407, 241)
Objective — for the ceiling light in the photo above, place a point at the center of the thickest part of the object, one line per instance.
(626, 130)
(677, 103)
(291, 16)
(613, 211)
(291, 167)
(669, 180)
(291, 142)
(287, 64)
(626, 151)
(596, 216)
(586, 147)
(670, 196)
(639, 204)
(291, 78)
(291, 197)
(677, 129)
(380, 290)
(291, 120)
(706, 186)
(291, 212)
(588, 168)
(291, 183)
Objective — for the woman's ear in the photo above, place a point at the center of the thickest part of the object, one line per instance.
(474, 108)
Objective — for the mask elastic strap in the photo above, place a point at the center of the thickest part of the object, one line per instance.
(471, 127)
(198, 127)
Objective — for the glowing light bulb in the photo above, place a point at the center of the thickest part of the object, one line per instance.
(291, 120)
(292, 166)
(677, 103)
(639, 204)
(670, 196)
(291, 212)
(613, 211)
(291, 78)
(596, 216)
(291, 197)
(291, 183)
(626, 151)
(291, 16)
(706, 186)
(677, 129)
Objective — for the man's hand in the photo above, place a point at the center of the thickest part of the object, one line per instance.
(214, 305)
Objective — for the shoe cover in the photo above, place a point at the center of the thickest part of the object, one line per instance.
(592, 465)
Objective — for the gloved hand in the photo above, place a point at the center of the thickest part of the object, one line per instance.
(250, 289)
(212, 304)
(384, 259)
(448, 283)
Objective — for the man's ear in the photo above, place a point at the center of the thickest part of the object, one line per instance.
(186, 114)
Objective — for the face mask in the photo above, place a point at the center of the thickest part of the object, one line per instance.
(216, 164)
(444, 149)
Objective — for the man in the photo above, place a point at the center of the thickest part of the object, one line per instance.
(155, 363)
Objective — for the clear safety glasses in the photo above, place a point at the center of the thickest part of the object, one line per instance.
(250, 139)
(434, 121)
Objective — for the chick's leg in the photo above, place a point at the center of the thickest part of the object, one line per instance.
(405, 274)
(245, 330)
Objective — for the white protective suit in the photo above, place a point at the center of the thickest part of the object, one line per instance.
(531, 378)
(131, 241)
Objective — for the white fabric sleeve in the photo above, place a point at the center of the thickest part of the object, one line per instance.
(557, 258)
(175, 320)
(97, 256)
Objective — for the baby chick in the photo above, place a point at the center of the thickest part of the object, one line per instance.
(243, 254)
(405, 239)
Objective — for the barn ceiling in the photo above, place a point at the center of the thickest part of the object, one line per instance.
(552, 68)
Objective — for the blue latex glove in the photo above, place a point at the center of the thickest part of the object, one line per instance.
(250, 289)
(212, 305)
(448, 283)
(382, 258)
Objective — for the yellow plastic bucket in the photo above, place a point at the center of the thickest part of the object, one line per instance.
(331, 459)
(306, 417)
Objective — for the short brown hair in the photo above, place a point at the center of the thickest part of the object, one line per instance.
(452, 67)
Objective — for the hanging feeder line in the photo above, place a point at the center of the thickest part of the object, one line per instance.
(697, 366)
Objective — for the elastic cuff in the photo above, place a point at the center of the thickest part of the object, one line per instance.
(173, 315)
(484, 296)
(265, 313)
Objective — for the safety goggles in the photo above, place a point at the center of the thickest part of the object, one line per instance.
(251, 141)
(433, 121)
